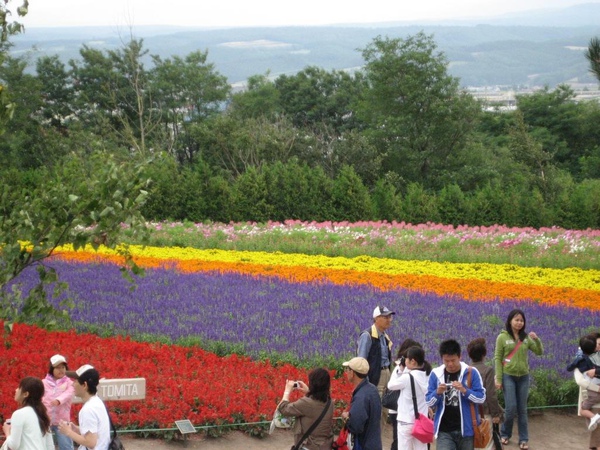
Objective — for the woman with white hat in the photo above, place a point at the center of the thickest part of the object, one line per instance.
(58, 396)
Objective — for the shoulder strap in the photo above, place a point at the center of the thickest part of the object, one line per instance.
(470, 369)
(313, 426)
(112, 427)
(414, 395)
(514, 350)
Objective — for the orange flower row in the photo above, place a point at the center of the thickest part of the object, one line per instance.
(469, 289)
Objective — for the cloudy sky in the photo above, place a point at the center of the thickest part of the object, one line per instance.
(235, 13)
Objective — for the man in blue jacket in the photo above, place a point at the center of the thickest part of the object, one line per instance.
(450, 395)
(364, 417)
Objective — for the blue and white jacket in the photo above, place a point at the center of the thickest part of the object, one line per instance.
(474, 394)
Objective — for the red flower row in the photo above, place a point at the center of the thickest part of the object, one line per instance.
(181, 382)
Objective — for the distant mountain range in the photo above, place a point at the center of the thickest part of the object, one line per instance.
(541, 47)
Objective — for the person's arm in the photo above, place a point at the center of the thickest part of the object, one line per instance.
(491, 395)
(67, 395)
(364, 345)
(48, 441)
(398, 380)
(585, 383)
(14, 431)
(535, 344)
(498, 358)
(475, 393)
(432, 395)
(358, 417)
(72, 431)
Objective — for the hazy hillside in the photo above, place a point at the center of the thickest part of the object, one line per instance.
(495, 53)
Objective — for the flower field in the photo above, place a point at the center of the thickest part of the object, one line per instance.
(273, 315)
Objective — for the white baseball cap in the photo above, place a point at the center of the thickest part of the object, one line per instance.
(57, 360)
(382, 311)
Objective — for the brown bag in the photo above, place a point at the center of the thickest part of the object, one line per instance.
(482, 433)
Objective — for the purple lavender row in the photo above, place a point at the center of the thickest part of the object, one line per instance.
(263, 316)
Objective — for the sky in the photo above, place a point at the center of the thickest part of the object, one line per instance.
(241, 13)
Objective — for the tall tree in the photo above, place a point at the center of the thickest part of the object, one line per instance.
(593, 56)
(187, 91)
(314, 98)
(7, 29)
(415, 110)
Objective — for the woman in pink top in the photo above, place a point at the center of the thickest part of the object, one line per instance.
(58, 396)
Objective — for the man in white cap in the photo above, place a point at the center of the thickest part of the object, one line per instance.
(93, 431)
(364, 417)
(376, 347)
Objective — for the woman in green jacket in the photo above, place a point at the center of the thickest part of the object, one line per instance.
(512, 373)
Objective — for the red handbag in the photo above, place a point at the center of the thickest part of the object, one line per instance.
(341, 443)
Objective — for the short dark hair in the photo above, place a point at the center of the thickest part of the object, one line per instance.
(92, 378)
(319, 384)
(476, 349)
(587, 345)
(416, 353)
(450, 347)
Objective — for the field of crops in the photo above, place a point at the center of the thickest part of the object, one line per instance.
(225, 313)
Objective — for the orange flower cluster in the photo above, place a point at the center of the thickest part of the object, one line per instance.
(470, 289)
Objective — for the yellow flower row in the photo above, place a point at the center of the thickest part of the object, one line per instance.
(503, 273)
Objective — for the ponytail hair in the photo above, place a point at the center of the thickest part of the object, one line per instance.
(35, 388)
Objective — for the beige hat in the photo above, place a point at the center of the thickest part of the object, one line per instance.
(358, 364)
(57, 360)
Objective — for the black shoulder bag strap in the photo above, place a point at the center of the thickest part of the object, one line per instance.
(312, 427)
(112, 427)
(414, 395)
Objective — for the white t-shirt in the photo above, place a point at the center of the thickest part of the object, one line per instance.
(25, 432)
(93, 418)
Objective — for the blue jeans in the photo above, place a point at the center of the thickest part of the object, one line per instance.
(63, 442)
(516, 391)
(453, 441)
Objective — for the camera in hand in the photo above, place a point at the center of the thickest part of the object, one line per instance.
(296, 385)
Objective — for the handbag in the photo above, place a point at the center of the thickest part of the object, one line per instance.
(423, 428)
(496, 436)
(390, 399)
(115, 442)
(341, 443)
(482, 433)
(298, 446)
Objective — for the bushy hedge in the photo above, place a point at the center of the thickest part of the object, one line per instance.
(296, 191)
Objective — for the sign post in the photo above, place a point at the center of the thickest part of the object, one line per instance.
(120, 389)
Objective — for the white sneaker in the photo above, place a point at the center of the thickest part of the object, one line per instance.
(594, 422)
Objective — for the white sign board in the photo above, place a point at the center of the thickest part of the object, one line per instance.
(120, 389)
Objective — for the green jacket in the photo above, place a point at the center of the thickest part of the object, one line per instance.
(519, 362)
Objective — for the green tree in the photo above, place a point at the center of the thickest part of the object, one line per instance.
(186, 90)
(259, 99)
(414, 109)
(351, 200)
(593, 56)
(7, 29)
(82, 201)
(315, 97)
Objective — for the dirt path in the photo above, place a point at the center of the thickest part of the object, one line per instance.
(548, 431)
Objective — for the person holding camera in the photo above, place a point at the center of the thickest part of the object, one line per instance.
(315, 408)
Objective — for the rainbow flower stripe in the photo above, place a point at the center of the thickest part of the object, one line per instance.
(573, 286)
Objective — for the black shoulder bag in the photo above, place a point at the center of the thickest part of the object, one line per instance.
(115, 442)
(298, 446)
